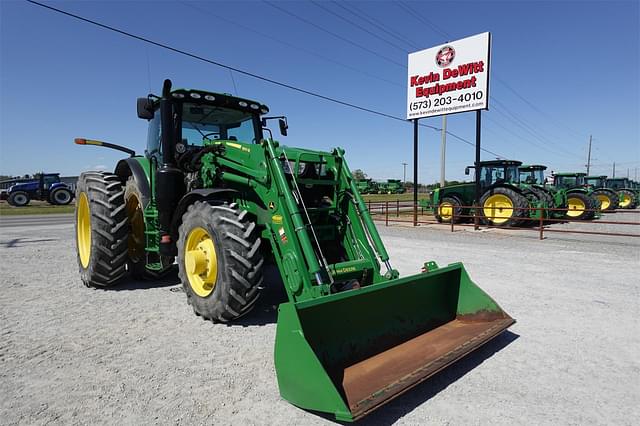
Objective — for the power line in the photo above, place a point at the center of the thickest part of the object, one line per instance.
(240, 71)
(359, 13)
(346, 40)
(286, 43)
(357, 25)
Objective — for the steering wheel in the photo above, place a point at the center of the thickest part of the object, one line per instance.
(206, 136)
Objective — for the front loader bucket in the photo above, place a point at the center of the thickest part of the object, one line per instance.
(351, 352)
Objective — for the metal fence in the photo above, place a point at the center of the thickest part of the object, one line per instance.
(406, 212)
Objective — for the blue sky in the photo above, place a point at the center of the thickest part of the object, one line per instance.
(560, 72)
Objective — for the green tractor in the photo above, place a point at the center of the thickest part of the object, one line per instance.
(364, 186)
(392, 186)
(581, 201)
(629, 197)
(504, 202)
(217, 193)
(609, 199)
(533, 176)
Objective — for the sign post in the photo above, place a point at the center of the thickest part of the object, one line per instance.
(449, 79)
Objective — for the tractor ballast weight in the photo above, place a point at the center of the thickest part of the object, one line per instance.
(351, 337)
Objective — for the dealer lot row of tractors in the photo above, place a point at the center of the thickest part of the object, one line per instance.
(514, 194)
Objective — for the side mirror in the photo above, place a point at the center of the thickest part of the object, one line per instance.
(283, 127)
(145, 108)
(466, 171)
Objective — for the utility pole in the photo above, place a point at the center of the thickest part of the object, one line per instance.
(404, 166)
(635, 174)
(627, 173)
(614, 169)
(443, 150)
(589, 156)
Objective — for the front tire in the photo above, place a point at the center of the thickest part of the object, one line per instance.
(219, 261)
(101, 229)
(19, 198)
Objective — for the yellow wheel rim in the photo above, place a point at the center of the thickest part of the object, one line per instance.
(446, 210)
(498, 208)
(625, 200)
(605, 202)
(135, 241)
(200, 261)
(575, 207)
(83, 229)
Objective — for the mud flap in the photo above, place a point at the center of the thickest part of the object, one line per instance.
(351, 352)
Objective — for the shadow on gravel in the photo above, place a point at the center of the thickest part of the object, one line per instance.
(404, 404)
(168, 280)
(266, 309)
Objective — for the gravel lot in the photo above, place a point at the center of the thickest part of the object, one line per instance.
(137, 354)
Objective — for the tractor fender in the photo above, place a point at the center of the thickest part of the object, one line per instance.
(209, 194)
(134, 167)
(574, 190)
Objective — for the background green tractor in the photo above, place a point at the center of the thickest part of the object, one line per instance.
(533, 177)
(609, 198)
(504, 202)
(391, 186)
(216, 192)
(364, 186)
(628, 196)
(581, 202)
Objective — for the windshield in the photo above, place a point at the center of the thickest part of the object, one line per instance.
(615, 183)
(569, 181)
(597, 182)
(499, 174)
(532, 177)
(209, 122)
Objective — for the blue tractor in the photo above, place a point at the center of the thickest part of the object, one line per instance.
(44, 187)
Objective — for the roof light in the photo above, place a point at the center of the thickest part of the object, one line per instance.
(243, 104)
(210, 97)
(178, 95)
(195, 95)
(254, 106)
(264, 110)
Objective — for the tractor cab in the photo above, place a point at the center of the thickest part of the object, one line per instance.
(532, 174)
(569, 180)
(596, 181)
(498, 172)
(618, 183)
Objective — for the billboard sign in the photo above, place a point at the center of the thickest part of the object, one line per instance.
(450, 78)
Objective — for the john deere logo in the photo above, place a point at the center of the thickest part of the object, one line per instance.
(445, 56)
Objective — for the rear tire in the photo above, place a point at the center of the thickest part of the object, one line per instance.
(608, 199)
(19, 198)
(448, 209)
(231, 289)
(578, 206)
(627, 199)
(101, 229)
(61, 197)
(496, 211)
(136, 242)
